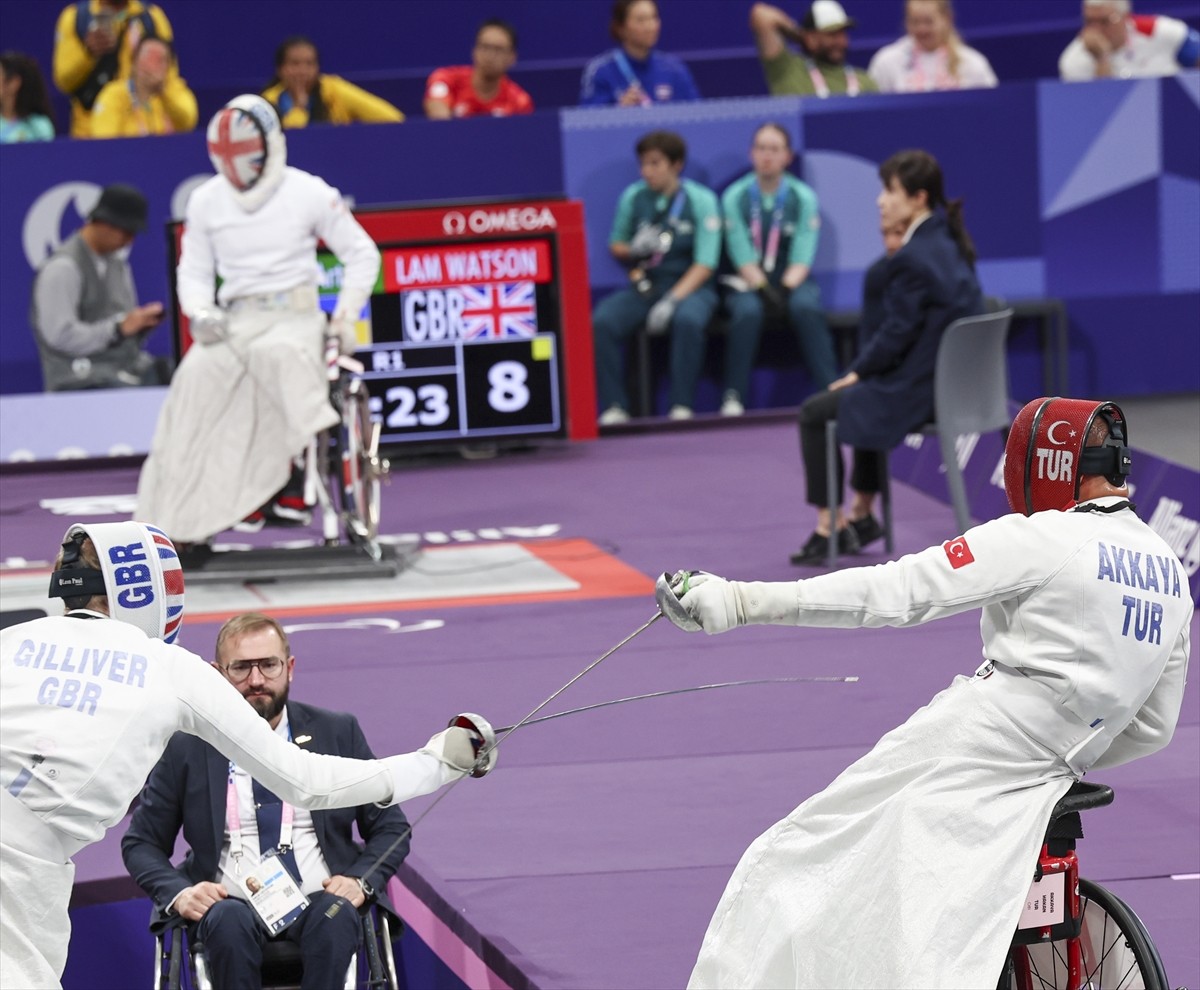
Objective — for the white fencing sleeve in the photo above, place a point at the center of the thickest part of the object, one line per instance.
(214, 710)
(196, 273)
(345, 237)
(1154, 724)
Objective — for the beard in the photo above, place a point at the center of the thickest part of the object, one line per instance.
(269, 705)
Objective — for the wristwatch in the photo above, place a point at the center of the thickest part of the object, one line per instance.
(117, 336)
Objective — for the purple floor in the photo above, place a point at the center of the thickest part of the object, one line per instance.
(595, 855)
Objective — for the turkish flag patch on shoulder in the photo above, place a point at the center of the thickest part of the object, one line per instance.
(958, 553)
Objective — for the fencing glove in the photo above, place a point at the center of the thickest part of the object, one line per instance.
(209, 326)
(715, 605)
(659, 318)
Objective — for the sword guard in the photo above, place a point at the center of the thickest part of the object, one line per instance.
(483, 736)
(667, 591)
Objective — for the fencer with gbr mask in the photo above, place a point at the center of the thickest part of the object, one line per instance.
(88, 701)
(253, 390)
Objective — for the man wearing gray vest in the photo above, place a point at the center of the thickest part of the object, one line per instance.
(84, 312)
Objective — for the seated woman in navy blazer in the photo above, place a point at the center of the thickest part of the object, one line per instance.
(888, 391)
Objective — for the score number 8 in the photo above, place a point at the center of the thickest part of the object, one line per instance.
(508, 392)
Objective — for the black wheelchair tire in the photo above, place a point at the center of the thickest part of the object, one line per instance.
(356, 465)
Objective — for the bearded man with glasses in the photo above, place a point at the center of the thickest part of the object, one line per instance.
(231, 823)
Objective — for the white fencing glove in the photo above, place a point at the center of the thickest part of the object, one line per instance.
(458, 747)
(342, 327)
(209, 326)
(706, 602)
(646, 243)
(346, 311)
(659, 317)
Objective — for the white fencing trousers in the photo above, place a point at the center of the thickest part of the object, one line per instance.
(236, 414)
(35, 892)
(909, 870)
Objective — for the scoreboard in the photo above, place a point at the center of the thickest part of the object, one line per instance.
(479, 326)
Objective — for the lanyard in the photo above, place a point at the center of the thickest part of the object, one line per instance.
(921, 81)
(667, 237)
(769, 256)
(233, 819)
(143, 114)
(822, 87)
(627, 71)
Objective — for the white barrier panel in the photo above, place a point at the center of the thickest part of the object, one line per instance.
(70, 425)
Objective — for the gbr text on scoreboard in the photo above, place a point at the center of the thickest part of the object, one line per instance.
(475, 291)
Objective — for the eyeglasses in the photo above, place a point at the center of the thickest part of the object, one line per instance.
(239, 670)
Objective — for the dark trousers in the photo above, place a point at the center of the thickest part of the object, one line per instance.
(619, 316)
(867, 473)
(807, 321)
(233, 938)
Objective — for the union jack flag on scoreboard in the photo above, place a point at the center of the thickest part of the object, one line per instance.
(507, 309)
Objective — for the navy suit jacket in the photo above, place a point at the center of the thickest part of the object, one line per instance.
(928, 286)
(188, 789)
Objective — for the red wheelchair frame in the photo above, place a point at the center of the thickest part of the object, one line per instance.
(1075, 934)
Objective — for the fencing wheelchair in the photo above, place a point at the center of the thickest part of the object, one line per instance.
(179, 962)
(343, 469)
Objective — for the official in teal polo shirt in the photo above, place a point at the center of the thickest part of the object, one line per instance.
(668, 232)
(772, 221)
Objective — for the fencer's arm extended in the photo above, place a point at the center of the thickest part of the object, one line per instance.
(917, 588)
(1154, 724)
(212, 709)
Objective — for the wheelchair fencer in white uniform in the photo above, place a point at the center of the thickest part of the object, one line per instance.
(254, 390)
(88, 701)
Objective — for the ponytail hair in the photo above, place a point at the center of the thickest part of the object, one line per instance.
(918, 171)
(958, 230)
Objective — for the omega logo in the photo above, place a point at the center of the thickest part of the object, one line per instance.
(510, 219)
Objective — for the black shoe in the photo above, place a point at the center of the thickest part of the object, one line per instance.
(867, 529)
(816, 550)
(193, 556)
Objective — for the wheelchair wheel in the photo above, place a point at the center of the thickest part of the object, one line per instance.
(360, 468)
(1117, 951)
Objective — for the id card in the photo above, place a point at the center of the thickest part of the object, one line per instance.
(274, 894)
(1045, 902)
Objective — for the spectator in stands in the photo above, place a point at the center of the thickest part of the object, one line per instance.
(821, 69)
(888, 391)
(482, 88)
(1114, 44)
(931, 55)
(88, 325)
(94, 42)
(206, 889)
(668, 230)
(153, 100)
(633, 74)
(303, 95)
(771, 224)
(25, 110)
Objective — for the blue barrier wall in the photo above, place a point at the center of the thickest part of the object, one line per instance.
(1088, 193)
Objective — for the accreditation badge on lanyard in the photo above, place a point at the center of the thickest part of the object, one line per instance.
(275, 894)
(271, 889)
(769, 254)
